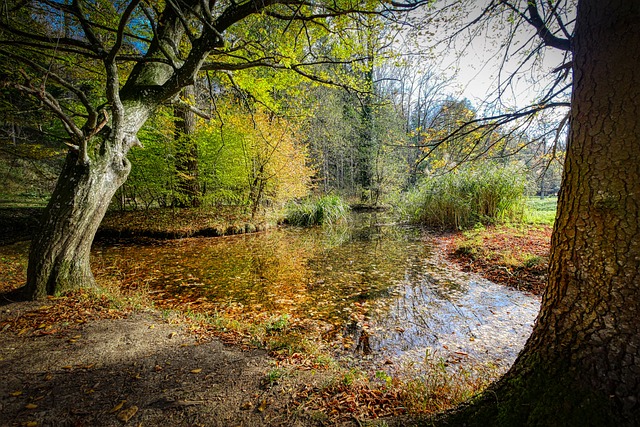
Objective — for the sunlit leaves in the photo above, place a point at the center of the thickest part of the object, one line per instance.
(254, 156)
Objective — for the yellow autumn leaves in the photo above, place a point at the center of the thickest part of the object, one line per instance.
(256, 153)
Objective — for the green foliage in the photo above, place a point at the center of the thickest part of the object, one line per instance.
(27, 180)
(273, 376)
(541, 210)
(317, 211)
(383, 376)
(153, 180)
(247, 158)
(355, 149)
(277, 324)
(461, 199)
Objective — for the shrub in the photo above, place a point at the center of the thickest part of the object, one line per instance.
(469, 196)
(317, 211)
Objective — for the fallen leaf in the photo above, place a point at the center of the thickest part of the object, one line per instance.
(16, 393)
(117, 407)
(246, 405)
(196, 371)
(68, 367)
(30, 406)
(262, 406)
(157, 368)
(128, 413)
(29, 424)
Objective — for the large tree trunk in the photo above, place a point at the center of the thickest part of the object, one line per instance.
(59, 254)
(187, 152)
(581, 365)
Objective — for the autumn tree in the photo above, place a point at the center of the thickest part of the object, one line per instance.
(252, 158)
(580, 365)
(187, 150)
(103, 68)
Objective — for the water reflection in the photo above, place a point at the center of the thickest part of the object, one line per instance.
(379, 288)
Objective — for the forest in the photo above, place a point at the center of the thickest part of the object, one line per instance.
(319, 213)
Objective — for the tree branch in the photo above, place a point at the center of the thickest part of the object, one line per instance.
(490, 123)
(543, 31)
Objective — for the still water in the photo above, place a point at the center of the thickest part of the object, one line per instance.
(377, 289)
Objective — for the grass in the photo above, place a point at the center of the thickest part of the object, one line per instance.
(540, 210)
(516, 255)
(487, 195)
(317, 211)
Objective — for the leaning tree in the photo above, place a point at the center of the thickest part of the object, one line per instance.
(103, 68)
(581, 365)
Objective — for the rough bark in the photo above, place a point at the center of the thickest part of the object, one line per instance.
(59, 255)
(581, 366)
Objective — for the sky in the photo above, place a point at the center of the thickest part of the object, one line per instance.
(474, 70)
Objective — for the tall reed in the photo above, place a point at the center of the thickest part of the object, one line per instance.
(468, 196)
(317, 211)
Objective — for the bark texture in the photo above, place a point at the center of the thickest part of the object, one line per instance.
(60, 252)
(581, 366)
(59, 255)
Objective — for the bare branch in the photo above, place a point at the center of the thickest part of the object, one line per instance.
(94, 42)
(191, 108)
(51, 102)
(543, 31)
(55, 77)
(487, 123)
(121, 30)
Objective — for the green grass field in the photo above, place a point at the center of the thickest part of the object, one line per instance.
(540, 210)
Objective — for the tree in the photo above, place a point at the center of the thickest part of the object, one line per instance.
(55, 48)
(187, 151)
(580, 365)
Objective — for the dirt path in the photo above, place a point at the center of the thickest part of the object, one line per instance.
(139, 370)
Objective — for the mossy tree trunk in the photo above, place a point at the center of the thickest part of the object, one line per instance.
(187, 152)
(581, 366)
(59, 255)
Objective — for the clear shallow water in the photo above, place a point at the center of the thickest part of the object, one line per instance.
(378, 289)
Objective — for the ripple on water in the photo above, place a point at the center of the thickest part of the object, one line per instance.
(382, 288)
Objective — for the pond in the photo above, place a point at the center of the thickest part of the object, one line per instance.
(378, 290)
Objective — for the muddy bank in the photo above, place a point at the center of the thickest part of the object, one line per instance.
(140, 370)
(19, 224)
